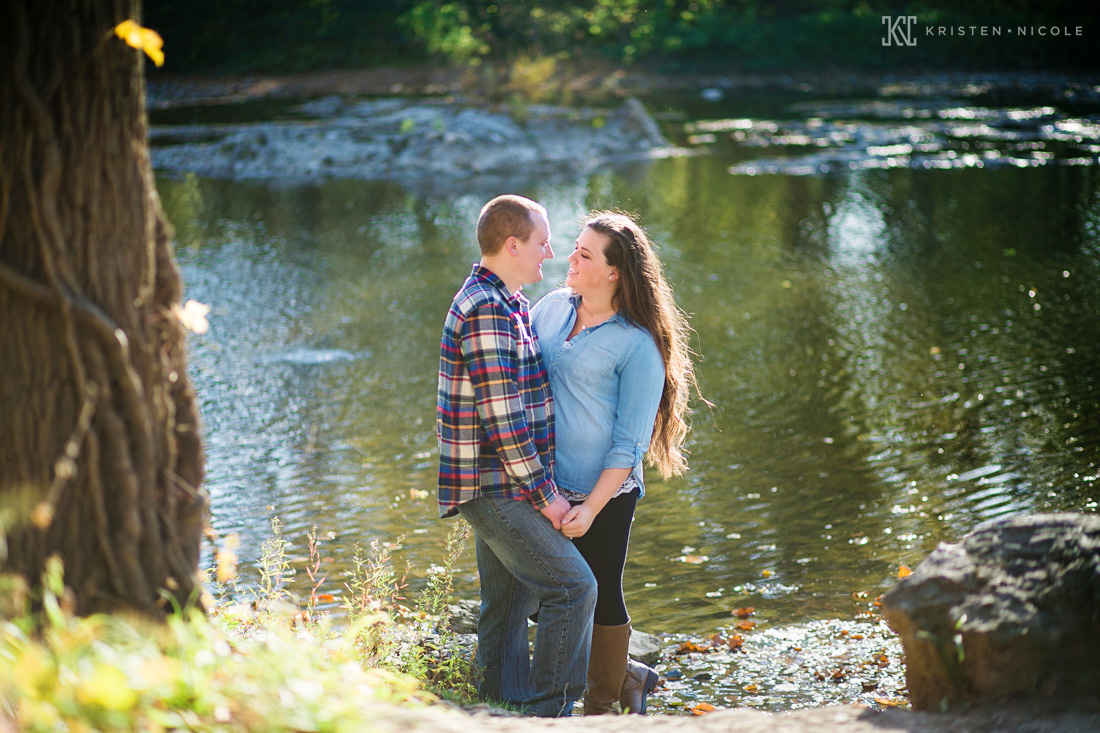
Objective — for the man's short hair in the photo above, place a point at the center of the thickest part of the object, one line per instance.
(503, 217)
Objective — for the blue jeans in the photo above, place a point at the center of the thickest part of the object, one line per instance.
(525, 566)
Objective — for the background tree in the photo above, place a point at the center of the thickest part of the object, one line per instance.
(100, 457)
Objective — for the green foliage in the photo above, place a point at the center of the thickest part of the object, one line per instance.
(296, 35)
(373, 606)
(534, 79)
(437, 658)
(262, 666)
(273, 563)
(446, 30)
(110, 672)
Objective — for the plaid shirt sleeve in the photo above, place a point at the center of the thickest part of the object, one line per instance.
(488, 344)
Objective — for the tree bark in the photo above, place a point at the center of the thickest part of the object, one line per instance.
(101, 459)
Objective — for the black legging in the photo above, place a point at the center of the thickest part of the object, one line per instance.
(603, 547)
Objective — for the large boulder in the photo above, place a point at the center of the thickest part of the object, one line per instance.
(1013, 610)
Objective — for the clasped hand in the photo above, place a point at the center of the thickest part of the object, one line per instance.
(577, 521)
(572, 521)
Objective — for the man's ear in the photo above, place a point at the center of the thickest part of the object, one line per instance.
(511, 246)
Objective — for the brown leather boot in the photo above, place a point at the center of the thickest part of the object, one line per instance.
(640, 680)
(606, 668)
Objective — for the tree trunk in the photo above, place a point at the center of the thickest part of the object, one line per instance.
(100, 457)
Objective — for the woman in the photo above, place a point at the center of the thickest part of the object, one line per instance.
(615, 346)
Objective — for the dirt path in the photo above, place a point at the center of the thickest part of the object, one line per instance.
(840, 719)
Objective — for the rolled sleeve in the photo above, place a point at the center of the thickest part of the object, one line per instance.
(641, 383)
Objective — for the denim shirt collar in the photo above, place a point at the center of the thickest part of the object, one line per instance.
(575, 300)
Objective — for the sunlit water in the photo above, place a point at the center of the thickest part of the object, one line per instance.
(894, 356)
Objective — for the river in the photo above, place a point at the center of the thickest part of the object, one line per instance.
(895, 352)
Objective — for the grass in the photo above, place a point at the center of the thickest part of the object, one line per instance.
(269, 665)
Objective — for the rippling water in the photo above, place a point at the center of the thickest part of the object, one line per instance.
(894, 355)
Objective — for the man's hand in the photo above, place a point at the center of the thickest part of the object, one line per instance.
(555, 510)
(577, 521)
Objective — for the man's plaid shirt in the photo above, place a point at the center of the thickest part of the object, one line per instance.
(494, 414)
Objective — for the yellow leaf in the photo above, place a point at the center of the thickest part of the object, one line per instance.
(145, 39)
(890, 703)
(693, 559)
(702, 709)
(193, 315)
(744, 612)
(904, 571)
(107, 688)
(42, 516)
(227, 566)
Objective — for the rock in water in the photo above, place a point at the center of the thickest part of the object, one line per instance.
(464, 615)
(1011, 611)
(646, 648)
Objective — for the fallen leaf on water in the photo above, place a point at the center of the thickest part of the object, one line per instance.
(889, 702)
(693, 559)
(326, 597)
(904, 571)
(735, 641)
(702, 709)
(690, 646)
(766, 573)
(746, 625)
(751, 687)
(145, 39)
(881, 659)
(877, 603)
(744, 612)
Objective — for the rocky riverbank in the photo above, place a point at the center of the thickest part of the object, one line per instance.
(409, 140)
(433, 132)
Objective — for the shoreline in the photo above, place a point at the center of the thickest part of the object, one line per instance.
(456, 84)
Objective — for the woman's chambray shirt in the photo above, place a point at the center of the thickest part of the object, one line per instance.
(606, 383)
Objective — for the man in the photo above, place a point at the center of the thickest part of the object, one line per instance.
(494, 418)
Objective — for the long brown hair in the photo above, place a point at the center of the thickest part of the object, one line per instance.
(644, 297)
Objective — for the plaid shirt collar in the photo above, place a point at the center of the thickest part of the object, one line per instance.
(516, 299)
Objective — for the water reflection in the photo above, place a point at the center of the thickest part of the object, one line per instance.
(893, 355)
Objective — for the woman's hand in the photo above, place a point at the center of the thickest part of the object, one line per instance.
(577, 520)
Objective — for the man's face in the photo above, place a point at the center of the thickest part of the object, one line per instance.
(536, 249)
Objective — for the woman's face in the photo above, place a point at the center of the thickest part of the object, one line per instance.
(588, 269)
